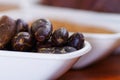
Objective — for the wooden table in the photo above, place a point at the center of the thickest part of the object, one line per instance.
(107, 69)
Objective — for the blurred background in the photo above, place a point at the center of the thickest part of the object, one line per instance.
(80, 12)
(111, 6)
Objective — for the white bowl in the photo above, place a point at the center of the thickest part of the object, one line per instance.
(36, 66)
(102, 45)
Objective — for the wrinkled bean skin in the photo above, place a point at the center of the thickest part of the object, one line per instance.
(7, 30)
(69, 49)
(63, 50)
(46, 44)
(42, 30)
(57, 50)
(22, 26)
(16, 35)
(60, 37)
(76, 40)
(43, 34)
(22, 41)
(41, 23)
(46, 50)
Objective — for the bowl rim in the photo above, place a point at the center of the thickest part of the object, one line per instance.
(101, 35)
(34, 55)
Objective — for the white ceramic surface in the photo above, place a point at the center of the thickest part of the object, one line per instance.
(36, 66)
(102, 45)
